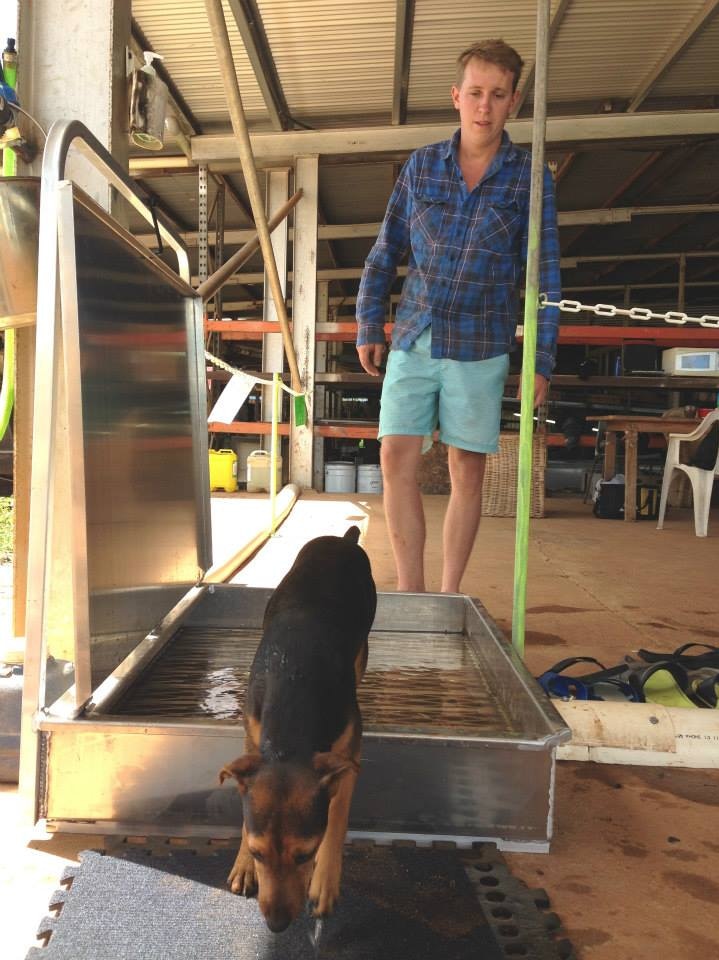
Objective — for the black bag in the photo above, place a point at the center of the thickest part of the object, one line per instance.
(705, 455)
(609, 504)
(647, 502)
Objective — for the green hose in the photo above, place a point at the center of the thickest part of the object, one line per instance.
(9, 169)
(9, 70)
(526, 437)
(7, 391)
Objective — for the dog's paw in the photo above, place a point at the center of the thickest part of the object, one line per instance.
(325, 887)
(242, 878)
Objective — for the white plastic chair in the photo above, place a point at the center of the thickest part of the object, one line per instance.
(702, 480)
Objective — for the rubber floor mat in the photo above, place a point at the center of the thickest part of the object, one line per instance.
(398, 902)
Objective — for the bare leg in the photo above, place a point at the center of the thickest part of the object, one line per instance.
(403, 509)
(464, 510)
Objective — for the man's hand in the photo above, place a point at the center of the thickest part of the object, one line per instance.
(541, 386)
(370, 356)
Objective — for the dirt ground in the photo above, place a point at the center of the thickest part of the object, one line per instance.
(631, 871)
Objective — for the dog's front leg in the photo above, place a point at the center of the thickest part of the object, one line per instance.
(243, 878)
(325, 885)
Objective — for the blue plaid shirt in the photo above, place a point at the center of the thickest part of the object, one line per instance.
(467, 252)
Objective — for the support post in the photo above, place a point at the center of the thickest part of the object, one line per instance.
(277, 185)
(304, 311)
(318, 405)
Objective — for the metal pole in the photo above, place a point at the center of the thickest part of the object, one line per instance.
(223, 49)
(531, 301)
(219, 242)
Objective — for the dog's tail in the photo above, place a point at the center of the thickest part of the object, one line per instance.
(353, 534)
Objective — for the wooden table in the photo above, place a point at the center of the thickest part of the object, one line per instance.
(631, 427)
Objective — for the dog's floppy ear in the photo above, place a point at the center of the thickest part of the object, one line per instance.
(242, 769)
(331, 768)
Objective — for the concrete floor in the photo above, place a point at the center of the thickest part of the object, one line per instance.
(631, 872)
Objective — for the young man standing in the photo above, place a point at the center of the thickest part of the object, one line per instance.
(460, 208)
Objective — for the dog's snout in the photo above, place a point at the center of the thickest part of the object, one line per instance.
(278, 920)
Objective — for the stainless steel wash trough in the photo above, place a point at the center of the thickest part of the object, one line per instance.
(459, 741)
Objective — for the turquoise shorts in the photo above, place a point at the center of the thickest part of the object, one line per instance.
(461, 397)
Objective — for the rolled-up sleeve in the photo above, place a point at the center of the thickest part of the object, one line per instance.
(380, 268)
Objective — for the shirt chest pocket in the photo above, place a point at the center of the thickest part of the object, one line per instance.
(429, 215)
(499, 226)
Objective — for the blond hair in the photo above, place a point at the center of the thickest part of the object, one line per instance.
(491, 51)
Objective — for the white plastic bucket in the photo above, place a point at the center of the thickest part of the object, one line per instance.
(340, 477)
(259, 474)
(369, 478)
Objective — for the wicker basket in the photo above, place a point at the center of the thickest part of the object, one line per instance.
(499, 493)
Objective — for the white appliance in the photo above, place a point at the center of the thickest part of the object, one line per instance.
(691, 361)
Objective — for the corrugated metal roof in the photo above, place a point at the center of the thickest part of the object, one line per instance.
(179, 31)
(334, 61)
(696, 71)
(605, 50)
(333, 57)
(179, 196)
(442, 31)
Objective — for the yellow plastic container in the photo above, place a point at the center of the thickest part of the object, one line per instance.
(223, 470)
(258, 472)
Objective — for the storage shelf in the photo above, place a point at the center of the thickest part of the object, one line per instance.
(559, 380)
(608, 335)
(350, 430)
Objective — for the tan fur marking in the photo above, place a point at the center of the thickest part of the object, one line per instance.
(325, 885)
(347, 744)
(253, 730)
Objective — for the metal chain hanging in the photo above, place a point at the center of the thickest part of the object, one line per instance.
(635, 313)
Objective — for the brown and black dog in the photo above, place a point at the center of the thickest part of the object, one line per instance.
(303, 731)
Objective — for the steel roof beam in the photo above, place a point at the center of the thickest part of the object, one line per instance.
(153, 200)
(689, 33)
(271, 147)
(244, 305)
(638, 172)
(554, 26)
(567, 218)
(231, 192)
(355, 273)
(249, 23)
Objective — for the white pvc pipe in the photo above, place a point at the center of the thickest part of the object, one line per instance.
(222, 571)
(644, 734)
